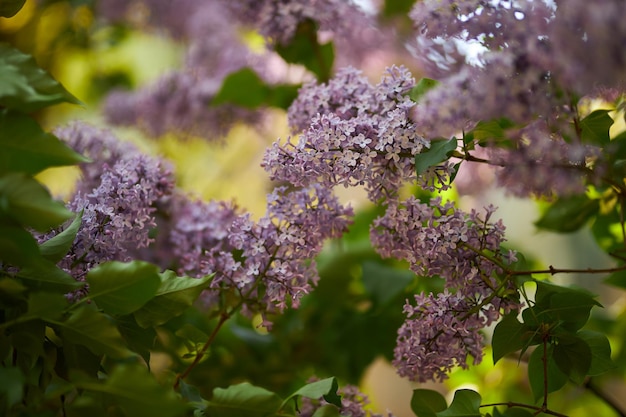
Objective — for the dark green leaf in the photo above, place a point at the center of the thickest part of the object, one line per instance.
(384, 282)
(136, 392)
(595, 128)
(45, 306)
(122, 288)
(55, 248)
(27, 202)
(573, 357)
(25, 147)
(26, 87)
(617, 278)
(466, 403)
(88, 327)
(397, 7)
(174, 295)
(492, 132)
(600, 352)
(569, 214)
(422, 87)
(9, 8)
(439, 151)
(508, 337)
(17, 246)
(243, 400)
(12, 382)
(556, 379)
(304, 49)
(427, 403)
(571, 308)
(137, 338)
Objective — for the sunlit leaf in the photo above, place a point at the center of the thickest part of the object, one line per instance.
(439, 151)
(26, 87)
(326, 388)
(422, 87)
(55, 248)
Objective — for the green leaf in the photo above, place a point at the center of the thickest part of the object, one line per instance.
(508, 337)
(26, 87)
(492, 132)
(88, 327)
(137, 338)
(517, 412)
(556, 378)
(326, 388)
(571, 308)
(569, 214)
(466, 403)
(174, 295)
(327, 410)
(9, 8)
(243, 400)
(122, 288)
(422, 87)
(55, 248)
(137, 393)
(304, 49)
(243, 88)
(617, 279)
(45, 306)
(12, 383)
(439, 151)
(573, 357)
(393, 8)
(17, 246)
(26, 201)
(25, 147)
(43, 275)
(384, 282)
(427, 403)
(595, 128)
(600, 352)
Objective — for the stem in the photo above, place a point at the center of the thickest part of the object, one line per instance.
(522, 405)
(544, 359)
(601, 395)
(223, 318)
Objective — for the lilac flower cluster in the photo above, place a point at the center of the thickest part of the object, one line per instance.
(354, 133)
(267, 262)
(436, 239)
(117, 198)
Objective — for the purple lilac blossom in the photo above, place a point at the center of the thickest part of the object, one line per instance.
(439, 333)
(353, 133)
(117, 198)
(436, 239)
(266, 262)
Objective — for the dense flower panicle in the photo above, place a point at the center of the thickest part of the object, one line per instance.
(439, 240)
(354, 133)
(439, 333)
(266, 262)
(117, 197)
